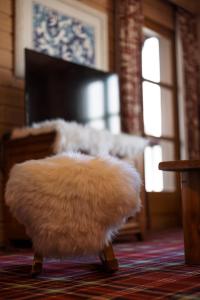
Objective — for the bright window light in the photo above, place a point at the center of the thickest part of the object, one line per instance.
(97, 124)
(152, 109)
(151, 59)
(114, 124)
(113, 95)
(95, 98)
(153, 176)
(157, 109)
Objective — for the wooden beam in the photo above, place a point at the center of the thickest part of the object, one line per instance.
(152, 9)
(192, 5)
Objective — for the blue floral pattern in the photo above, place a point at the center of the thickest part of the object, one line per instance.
(62, 36)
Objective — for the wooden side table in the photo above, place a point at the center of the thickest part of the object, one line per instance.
(190, 193)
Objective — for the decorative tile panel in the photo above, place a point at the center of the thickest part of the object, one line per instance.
(62, 35)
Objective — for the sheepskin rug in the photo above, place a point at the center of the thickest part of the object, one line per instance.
(72, 204)
(71, 136)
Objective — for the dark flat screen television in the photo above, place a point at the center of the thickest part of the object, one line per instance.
(55, 88)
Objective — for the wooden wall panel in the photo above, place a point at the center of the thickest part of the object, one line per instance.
(6, 7)
(5, 59)
(8, 80)
(103, 5)
(12, 97)
(152, 10)
(164, 212)
(6, 40)
(5, 22)
(4, 128)
(11, 115)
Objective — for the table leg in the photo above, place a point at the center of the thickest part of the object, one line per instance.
(37, 265)
(108, 259)
(190, 186)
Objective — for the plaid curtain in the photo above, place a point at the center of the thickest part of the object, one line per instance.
(129, 21)
(187, 30)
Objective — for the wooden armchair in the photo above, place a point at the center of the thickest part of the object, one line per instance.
(37, 147)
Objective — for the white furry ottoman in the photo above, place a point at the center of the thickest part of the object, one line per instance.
(72, 204)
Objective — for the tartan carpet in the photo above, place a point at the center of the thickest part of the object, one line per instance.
(153, 269)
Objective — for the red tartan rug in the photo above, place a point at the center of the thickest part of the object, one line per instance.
(153, 269)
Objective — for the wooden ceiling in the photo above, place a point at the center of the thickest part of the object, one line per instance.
(191, 5)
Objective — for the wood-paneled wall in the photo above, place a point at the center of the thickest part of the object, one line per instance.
(11, 88)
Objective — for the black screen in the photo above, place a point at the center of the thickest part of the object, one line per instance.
(55, 88)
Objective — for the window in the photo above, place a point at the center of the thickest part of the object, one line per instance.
(159, 107)
(105, 111)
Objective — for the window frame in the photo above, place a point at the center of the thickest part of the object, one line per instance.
(170, 35)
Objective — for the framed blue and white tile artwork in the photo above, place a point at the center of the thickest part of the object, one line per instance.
(62, 28)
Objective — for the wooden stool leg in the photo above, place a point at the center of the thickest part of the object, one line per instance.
(37, 264)
(108, 259)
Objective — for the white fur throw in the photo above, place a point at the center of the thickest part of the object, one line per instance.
(72, 204)
(72, 136)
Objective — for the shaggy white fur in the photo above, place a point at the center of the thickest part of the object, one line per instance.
(72, 136)
(72, 204)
